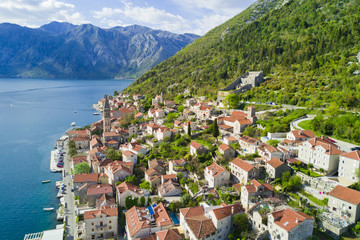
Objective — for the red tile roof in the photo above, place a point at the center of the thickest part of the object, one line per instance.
(99, 189)
(126, 186)
(275, 163)
(170, 234)
(224, 147)
(353, 155)
(215, 169)
(242, 164)
(346, 194)
(289, 219)
(226, 211)
(198, 223)
(83, 178)
(108, 211)
(195, 145)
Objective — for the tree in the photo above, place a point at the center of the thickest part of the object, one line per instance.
(181, 108)
(72, 152)
(241, 223)
(113, 154)
(131, 179)
(189, 129)
(145, 185)
(82, 168)
(185, 199)
(232, 101)
(71, 144)
(215, 132)
(273, 142)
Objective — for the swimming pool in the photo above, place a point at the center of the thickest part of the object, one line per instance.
(175, 219)
(151, 209)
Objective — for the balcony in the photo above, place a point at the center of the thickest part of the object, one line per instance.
(101, 226)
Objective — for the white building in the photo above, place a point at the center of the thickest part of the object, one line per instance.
(348, 164)
(125, 190)
(216, 175)
(242, 170)
(101, 223)
(287, 224)
(321, 153)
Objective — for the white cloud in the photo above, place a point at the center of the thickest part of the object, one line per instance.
(224, 7)
(38, 12)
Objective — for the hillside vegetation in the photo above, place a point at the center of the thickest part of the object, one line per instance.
(307, 50)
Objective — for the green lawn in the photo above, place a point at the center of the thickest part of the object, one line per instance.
(312, 174)
(204, 143)
(312, 198)
(307, 126)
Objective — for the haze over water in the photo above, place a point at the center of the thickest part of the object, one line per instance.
(33, 115)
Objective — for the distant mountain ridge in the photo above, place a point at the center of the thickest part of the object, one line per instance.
(64, 50)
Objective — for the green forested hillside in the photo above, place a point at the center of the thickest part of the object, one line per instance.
(306, 48)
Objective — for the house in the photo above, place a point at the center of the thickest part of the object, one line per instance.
(227, 151)
(216, 175)
(125, 190)
(321, 153)
(94, 192)
(158, 165)
(101, 223)
(170, 188)
(151, 128)
(252, 193)
(80, 179)
(193, 127)
(81, 142)
(269, 152)
(105, 200)
(230, 140)
(345, 203)
(162, 132)
(289, 225)
(207, 223)
(165, 178)
(178, 166)
(159, 113)
(170, 234)
(197, 148)
(242, 171)
(300, 135)
(78, 159)
(95, 142)
(122, 112)
(249, 144)
(128, 156)
(134, 147)
(275, 168)
(139, 115)
(153, 176)
(348, 163)
(118, 171)
(238, 120)
(142, 222)
(159, 99)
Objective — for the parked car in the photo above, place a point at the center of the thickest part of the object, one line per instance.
(355, 149)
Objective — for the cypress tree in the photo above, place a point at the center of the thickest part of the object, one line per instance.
(215, 129)
(189, 129)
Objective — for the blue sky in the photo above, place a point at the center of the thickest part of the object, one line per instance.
(179, 16)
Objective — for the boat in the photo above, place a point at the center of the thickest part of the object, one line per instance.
(49, 209)
(46, 181)
(96, 113)
(73, 123)
(75, 111)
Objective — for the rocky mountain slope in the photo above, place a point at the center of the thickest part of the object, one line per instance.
(307, 50)
(63, 50)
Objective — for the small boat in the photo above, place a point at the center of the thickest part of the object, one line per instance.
(46, 181)
(75, 111)
(73, 123)
(96, 113)
(49, 209)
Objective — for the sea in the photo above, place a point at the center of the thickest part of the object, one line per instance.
(34, 113)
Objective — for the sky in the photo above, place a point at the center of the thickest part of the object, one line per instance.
(178, 16)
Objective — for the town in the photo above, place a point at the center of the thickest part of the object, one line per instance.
(188, 169)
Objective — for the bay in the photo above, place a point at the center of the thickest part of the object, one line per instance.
(34, 113)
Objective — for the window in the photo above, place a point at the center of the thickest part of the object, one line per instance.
(109, 227)
(92, 224)
(349, 207)
(92, 236)
(110, 221)
(101, 224)
(92, 230)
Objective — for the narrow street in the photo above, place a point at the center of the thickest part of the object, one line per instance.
(70, 217)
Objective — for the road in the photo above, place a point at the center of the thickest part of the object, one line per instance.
(70, 217)
(344, 146)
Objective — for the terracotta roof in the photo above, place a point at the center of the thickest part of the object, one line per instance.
(108, 211)
(248, 139)
(256, 183)
(224, 126)
(237, 186)
(353, 155)
(152, 172)
(78, 139)
(195, 145)
(215, 169)
(191, 212)
(153, 125)
(89, 177)
(275, 163)
(133, 221)
(169, 186)
(226, 211)
(244, 121)
(79, 159)
(303, 133)
(125, 110)
(242, 164)
(346, 194)
(127, 153)
(330, 147)
(179, 162)
(239, 114)
(198, 223)
(111, 134)
(161, 216)
(231, 139)
(224, 147)
(170, 234)
(250, 188)
(289, 219)
(155, 163)
(270, 148)
(170, 176)
(112, 142)
(124, 186)
(116, 166)
(99, 189)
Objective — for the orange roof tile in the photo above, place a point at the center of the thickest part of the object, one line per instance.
(353, 155)
(242, 164)
(108, 211)
(275, 163)
(82, 178)
(346, 194)
(289, 219)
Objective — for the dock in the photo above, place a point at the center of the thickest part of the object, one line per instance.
(53, 162)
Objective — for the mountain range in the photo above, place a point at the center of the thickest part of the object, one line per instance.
(308, 51)
(64, 50)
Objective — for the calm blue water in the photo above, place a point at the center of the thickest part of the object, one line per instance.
(33, 114)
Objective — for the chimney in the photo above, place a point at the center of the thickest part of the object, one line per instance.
(297, 220)
(232, 210)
